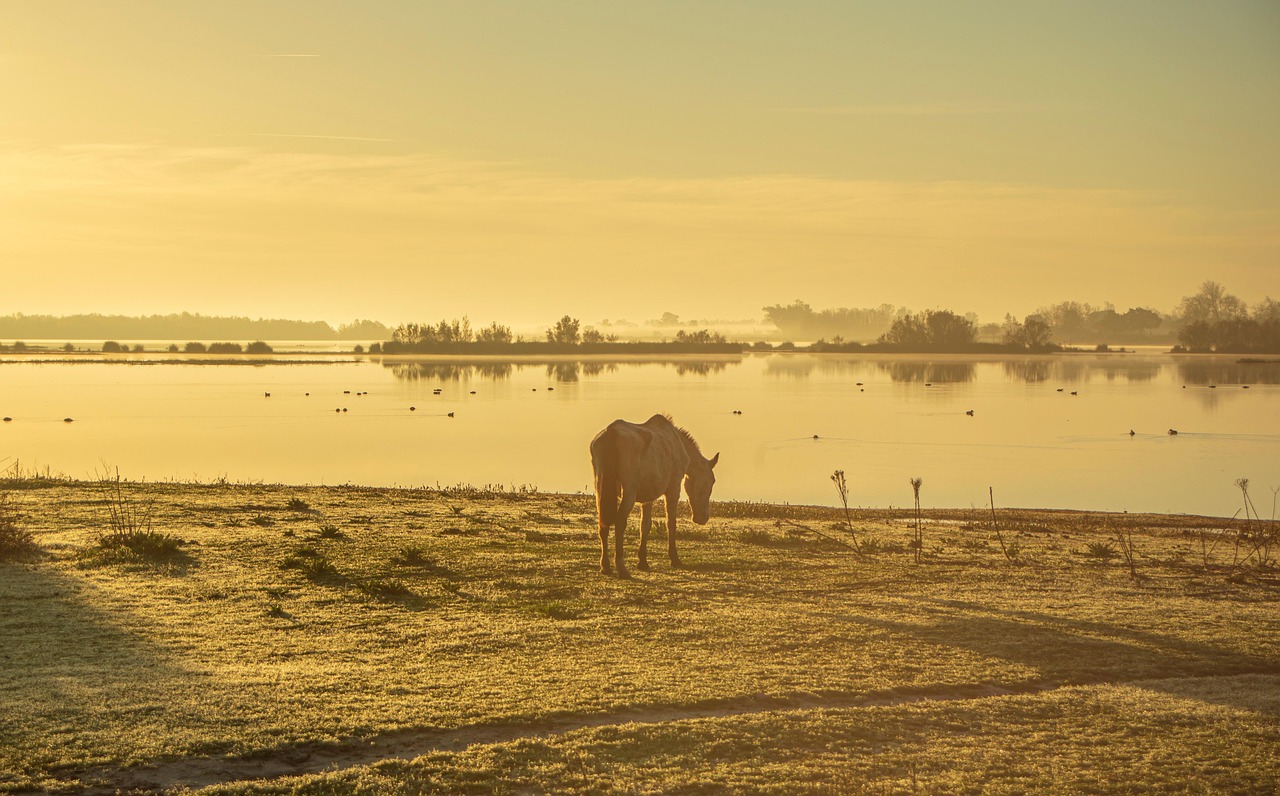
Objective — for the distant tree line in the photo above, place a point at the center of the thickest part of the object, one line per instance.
(943, 331)
(799, 321)
(566, 335)
(1210, 320)
(181, 326)
(1214, 320)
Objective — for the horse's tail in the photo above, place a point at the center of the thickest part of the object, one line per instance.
(604, 461)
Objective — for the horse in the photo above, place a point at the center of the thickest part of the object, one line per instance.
(638, 463)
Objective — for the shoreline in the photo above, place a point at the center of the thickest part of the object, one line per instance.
(938, 516)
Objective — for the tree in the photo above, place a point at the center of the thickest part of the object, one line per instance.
(1267, 311)
(1034, 332)
(566, 331)
(1197, 335)
(494, 333)
(1068, 318)
(931, 329)
(1211, 304)
(700, 337)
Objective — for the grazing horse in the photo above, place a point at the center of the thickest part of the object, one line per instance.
(638, 463)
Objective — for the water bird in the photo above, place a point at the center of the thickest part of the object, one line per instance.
(1244, 386)
(1173, 432)
(969, 413)
(268, 395)
(413, 409)
(8, 420)
(1132, 432)
(473, 392)
(337, 410)
(451, 414)
(1213, 386)
(859, 384)
(928, 384)
(306, 393)
(815, 436)
(67, 420)
(344, 408)
(1073, 392)
(1059, 389)
(549, 389)
(346, 392)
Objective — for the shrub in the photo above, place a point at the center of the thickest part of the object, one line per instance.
(259, 347)
(225, 348)
(112, 347)
(1100, 550)
(315, 567)
(297, 504)
(147, 545)
(15, 541)
(195, 348)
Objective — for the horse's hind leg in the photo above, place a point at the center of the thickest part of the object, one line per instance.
(646, 522)
(620, 524)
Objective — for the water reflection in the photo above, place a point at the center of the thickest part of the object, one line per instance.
(1032, 371)
(439, 371)
(700, 368)
(791, 367)
(940, 372)
(1036, 371)
(564, 371)
(1235, 373)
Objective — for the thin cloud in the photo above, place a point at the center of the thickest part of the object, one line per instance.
(323, 137)
(919, 109)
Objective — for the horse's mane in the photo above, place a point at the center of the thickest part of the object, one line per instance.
(689, 441)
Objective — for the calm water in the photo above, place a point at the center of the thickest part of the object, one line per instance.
(1028, 437)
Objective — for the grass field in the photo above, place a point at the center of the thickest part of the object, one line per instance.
(270, 639)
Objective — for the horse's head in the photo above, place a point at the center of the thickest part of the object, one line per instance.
(698, 481)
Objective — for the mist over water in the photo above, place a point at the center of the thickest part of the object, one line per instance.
(883, 420)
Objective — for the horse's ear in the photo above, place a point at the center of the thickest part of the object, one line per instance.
(712, 461)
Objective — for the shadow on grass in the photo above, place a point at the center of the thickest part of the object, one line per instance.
(65, 668)
(1068, 650)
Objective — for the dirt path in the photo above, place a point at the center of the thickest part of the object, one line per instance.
(302, 759)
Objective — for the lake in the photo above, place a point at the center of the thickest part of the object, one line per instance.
(1048, 432)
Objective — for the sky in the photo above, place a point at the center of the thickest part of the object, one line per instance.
(518, 161)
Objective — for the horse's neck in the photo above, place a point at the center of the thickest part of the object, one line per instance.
(690, 449)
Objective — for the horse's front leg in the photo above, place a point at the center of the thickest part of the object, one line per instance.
(673, 502)
(646, 522)
(624, 511)
(605, 569)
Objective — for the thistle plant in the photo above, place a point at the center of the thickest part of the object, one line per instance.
(842, 487)
(918, 542)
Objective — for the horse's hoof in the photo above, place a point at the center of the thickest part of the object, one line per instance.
(623, 574)
(604, 570)
(676, 563)
(643, 566)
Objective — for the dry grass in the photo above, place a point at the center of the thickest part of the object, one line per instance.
(452, 609)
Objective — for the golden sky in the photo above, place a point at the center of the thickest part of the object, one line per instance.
(515, 161)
